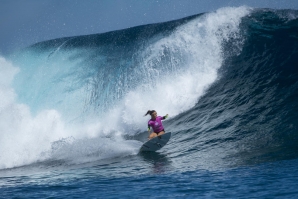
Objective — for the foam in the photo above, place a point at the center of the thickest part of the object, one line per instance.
(22, 136)
(78, 151)
(25, 139)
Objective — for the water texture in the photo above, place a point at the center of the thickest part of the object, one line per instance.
(72, 110)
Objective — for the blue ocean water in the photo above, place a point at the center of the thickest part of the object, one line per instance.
(72, 110)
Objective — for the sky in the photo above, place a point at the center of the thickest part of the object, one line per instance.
(23, 23)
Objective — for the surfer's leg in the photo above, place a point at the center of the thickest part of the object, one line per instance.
(152, 135)
(160, 133)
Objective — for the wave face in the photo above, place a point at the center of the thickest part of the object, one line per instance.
(228, 80)
(251, 111)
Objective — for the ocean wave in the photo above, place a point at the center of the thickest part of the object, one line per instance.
(228, 80)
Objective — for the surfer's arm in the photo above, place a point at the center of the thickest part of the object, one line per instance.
(149, 132)
(165, 117)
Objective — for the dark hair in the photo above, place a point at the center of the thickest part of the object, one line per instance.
(150, 112)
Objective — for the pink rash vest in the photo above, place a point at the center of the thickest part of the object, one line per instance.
(156, 124)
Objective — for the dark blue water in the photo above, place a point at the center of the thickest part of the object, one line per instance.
(72, 110)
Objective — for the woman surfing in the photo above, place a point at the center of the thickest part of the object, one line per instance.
(155, 123)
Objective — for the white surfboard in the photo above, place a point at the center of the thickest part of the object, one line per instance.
(156, 143)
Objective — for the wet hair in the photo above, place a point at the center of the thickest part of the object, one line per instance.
(150, 112)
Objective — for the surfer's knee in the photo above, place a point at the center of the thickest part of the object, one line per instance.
(152, 135)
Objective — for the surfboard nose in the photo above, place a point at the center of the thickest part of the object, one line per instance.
(156, 143)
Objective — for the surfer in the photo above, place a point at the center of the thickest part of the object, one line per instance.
(155, 123)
